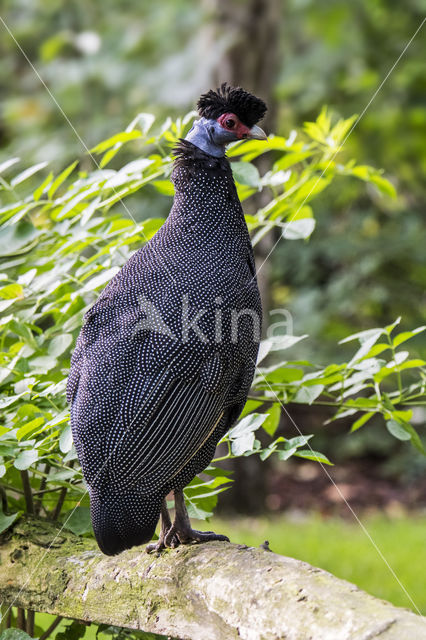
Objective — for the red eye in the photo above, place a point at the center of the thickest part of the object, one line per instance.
(230, 123)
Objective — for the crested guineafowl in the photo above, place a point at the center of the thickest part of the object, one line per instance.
(166, 356)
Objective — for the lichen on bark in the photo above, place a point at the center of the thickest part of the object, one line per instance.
(209, 591)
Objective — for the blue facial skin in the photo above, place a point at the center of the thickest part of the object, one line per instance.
(210, 137)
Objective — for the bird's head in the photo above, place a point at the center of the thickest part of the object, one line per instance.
(227, 115)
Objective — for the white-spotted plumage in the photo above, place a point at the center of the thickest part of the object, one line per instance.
(150, 400)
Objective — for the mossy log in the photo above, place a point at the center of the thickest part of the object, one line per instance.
(212, 591)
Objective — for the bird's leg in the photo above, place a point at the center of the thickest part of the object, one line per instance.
(182, 530)
(166, 525)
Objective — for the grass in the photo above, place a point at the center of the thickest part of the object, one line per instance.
(344, 549)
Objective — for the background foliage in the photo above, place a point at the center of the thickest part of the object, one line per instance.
(69, 219)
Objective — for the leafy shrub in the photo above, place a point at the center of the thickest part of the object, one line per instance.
(62, 241)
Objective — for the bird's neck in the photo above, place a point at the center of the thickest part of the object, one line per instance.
(205, 193)
(200, 135)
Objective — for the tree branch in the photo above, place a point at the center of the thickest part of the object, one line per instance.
(52, 628)
(27, 492)
(57, 510)
(20, 619)
(209, 591)
(29, 624)
(41, 490)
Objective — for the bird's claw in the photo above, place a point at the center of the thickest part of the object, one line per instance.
(154, 546)
(187, 535)
(180, 532)
(165, 541)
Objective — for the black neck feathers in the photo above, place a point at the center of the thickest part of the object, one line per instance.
(193, 159)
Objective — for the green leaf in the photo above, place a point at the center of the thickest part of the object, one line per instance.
(397, 430)
(40, 189)
(78, 521)
(411, 364)
(164, 186)
(285, 454)
(250, 406)
(215, 471)
(109, 155)
(367, 340)
(27, 173)
(377, 349)
(362, 420)
(369, 365)
(324, 120)
(42, 364)
(124, 136)
(246, 173)
(270, 425)
(292, 158)
(28, 428)
(363, 336)
(364, 403)
(6, 521)
(59, 344)
(394, 368)
(402, 416)
(253, 148)
(415, 438)
(298, 229)
(406, 335)
(247, 424)
(25, 459)
(77, 630)
(14, 634)
(316, 456)
(242, 436)
(383, 185)
(392, 326)
(71, 204)
(265, 453)
(100, 279)
(298, 441)
(138, 166)
(264, 348)
(198, 487)
(314, 131)
(342, 127)
(310, 189)
(11, 291)
(196, 512)
(279, 343)
(283, 375)
(307, 394)
(65, 440)
(60, 179)
(144, 121)
(8, 163)
(17, 238)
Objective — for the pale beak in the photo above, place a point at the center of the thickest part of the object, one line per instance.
(256, 133)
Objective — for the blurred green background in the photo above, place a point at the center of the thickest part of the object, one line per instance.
(366, 262)
(104, 62)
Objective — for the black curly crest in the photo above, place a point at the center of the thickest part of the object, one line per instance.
(225, 99)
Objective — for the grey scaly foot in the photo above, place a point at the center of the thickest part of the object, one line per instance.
(166, 525)
(182, 530)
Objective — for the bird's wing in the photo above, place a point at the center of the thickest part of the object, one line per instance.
(154, 451)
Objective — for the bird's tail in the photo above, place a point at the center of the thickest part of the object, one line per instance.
(123, 520)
